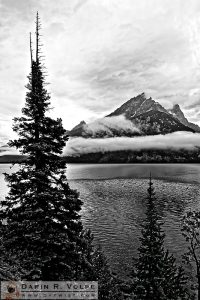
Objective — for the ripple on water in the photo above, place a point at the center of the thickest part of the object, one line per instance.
(114, 203)
(114, 209)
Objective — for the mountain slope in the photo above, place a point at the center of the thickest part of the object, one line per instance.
(78, 130)
(137, 106)
(142, 115)
(156, 122)
(178, 114)
(106, 127)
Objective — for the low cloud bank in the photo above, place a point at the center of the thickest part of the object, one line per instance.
(8, 151)
(76, 146)
(110, 124)
(177, 140)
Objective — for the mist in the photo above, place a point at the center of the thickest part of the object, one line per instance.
(109, 124)
(176, 140)
(8, 151)
(79, 145)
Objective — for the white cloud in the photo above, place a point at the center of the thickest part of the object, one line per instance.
(5, 150)
(107, 125)
(100, 53)
(9, 152)
(76, 146)
(175, 140)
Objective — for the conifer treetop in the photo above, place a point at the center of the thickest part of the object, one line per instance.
(42, 211)
(156, 276)
(37, 33)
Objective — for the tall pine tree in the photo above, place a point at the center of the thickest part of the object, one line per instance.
(43, 230)
(109, 285)
(191, 233)
(155, 274)
(98, 269)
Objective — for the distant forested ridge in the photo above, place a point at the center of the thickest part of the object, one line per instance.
(139, 156)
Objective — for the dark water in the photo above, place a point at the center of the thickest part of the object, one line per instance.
(114, 203)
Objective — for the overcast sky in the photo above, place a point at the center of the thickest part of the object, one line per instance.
(100, 53)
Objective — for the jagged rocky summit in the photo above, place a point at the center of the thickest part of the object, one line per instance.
(138, 116)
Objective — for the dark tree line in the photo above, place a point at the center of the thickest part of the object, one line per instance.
(138, 156)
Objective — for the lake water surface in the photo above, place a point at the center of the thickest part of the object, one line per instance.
(114, 203)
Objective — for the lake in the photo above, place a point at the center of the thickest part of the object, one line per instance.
(114, 203)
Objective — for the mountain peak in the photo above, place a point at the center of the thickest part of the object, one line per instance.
(146, 114)
(140, 96)
(82, 123)
(136, 106)
(177, 113)
(78, 129)
(143, 95)
(176, 107)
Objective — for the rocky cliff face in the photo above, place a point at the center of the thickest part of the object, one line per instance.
(137, 106)
(146, 115)
(78, 130)
(178, 114)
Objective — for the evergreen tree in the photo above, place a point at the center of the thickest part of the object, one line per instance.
(5, 270)
(43, 230)
(191, 233)
(155, 273)
(8, 270)
(98, 269)
(108, 283)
